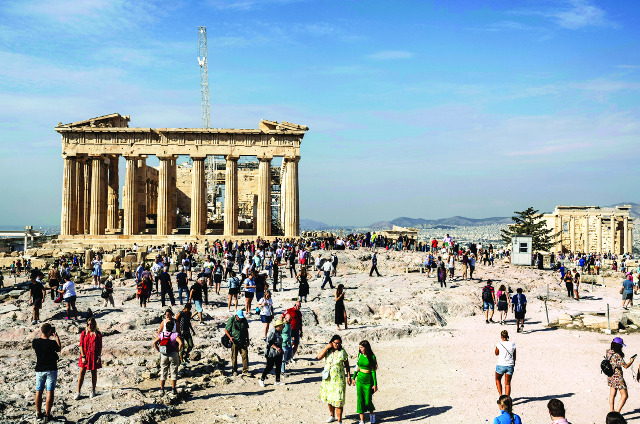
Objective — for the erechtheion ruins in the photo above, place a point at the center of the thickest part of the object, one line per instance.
(592, 229)
(90, 187)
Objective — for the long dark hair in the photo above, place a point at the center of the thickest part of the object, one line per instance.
(333, 339)
(506, 402)
(617, 348)
(340, 289)
(368, 352)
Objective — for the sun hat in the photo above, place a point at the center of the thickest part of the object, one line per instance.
(240, 314)
(278, 322)
(619, 341)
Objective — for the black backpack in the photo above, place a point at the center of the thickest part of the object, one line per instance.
(486, 294)
(605, 367)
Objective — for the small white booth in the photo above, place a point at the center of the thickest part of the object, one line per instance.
(521, 250)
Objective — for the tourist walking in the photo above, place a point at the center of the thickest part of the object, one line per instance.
(576, 284)
(168, 343)
(472, 265)
(90, 355)
(506, 353)
(503, 303)
(568, 282)
(274, 353)
(237, 329)
(488, 301)
(292, 263)
(37, 293)
(107, 293)
(183, 284)
(276, 274)
(374, 265)
(327, 267)
(97, 272)
(54, 280)
(46, 368)
(616, 382)
(217, 277)
(286, 341)
(340, 311)
(166, 288)
(69, 295)
(519, 308)
(249, 291)
(505, 403)
(234, 288)
(303, 284)
(335, 375)
(266, 311)
(627, 291)
(185, 328)
(195, 295)
(365, 381)
(296, 326)
(145, 285)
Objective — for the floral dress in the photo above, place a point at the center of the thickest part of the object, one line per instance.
(616, 380)
(333, 389)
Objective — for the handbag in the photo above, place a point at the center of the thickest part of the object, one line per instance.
(58, 299)
(226, 342)
(326, 374)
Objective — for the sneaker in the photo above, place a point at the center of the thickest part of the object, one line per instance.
(34, 322)
(279, 383)
(487, 321)
(40, 416)
(360, 422)
(77, 397)
(372, 418)
(93, 394)
(331, 419)
(261, 382)
(491, 320)
(174, 391)
(202, 323)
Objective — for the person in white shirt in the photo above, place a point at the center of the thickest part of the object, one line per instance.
(69, 295)
(506, 353)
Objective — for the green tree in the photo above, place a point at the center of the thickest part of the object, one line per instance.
(530, 223)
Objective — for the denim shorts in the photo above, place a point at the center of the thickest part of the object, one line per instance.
(488, 305)
(50, 377)
(502, 369)
(198, 305)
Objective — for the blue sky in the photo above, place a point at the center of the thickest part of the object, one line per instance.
(416, 108)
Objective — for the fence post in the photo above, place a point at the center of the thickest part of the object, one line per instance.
(608, 321)
(545, 304)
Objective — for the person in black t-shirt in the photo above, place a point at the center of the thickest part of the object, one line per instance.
(46, 367)
(37, 293)
(183, 285)
(195, 295)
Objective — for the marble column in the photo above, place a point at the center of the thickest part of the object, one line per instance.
(69, 207)
(164, 195)
(264, 197)
(231, 197)
(113, 195)
(173, 214)
(586, 234)
(198, 198)
(88, 164)
(97, 177)
(79, 186)
(130, 224)
(624, 242)
(292, 220)
(283, 194)
(599, 232)
(572, 232)
(141, 196)
(105, 198)
(613, 233)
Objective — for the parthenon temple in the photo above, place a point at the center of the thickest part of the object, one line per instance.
(154, 199)
(590, 229)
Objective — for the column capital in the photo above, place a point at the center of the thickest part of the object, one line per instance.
(265, 158)
(292, 158)
(232, 156)
(166, 157)
(198, 156)
(69, 156)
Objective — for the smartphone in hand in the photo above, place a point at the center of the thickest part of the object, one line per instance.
(634, 356)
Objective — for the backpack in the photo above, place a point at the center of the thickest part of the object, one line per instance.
(605, 367)
(167, 346)
(486, 294)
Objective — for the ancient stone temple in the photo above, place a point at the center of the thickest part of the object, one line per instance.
(91, 205)
(591, 229)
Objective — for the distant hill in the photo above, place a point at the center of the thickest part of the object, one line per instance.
(311, 225)
(635, 208)
(459, 221)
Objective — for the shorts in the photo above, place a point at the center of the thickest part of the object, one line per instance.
(487, 306)
(627, 296)
(519, 315)
(266, 318)
(50, 377)
(502, 369)
(198, 305)
(70, 299)
(295, 337)
(233, 290)
(37, 303)
(185, 267)
(248, 295)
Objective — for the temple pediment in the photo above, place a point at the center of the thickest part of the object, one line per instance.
(113, 120)
(281, 126)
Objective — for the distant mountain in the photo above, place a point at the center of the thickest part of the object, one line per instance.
(311, 225)
(459, 221)
(635, 208)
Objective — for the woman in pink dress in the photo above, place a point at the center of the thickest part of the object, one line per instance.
(90, 355)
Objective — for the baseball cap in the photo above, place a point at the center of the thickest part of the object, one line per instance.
(619, 341)
(240, 314)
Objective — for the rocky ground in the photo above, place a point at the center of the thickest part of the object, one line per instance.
(435, 352)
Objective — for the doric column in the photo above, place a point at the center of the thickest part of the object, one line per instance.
(69, 206)
(105, 185)
(613, 233)
(97, 177)
(231, 197)
(79, 187)
(624, 239)
(113, 195)
(572, 232)
(264, 197)
(87, 195)
(164, 195)
(173, 215)
(599, 232)
(283, 194)
(586, 234)
(292, 219)
(198, 198)
(141, 187)
(130, 224)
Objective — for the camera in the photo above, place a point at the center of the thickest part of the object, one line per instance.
(53, 330)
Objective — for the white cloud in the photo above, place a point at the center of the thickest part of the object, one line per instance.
(245, 5)
(573, 14)
(390, 55)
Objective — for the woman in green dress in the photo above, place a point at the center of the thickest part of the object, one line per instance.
(334, 377)
(365, 381)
